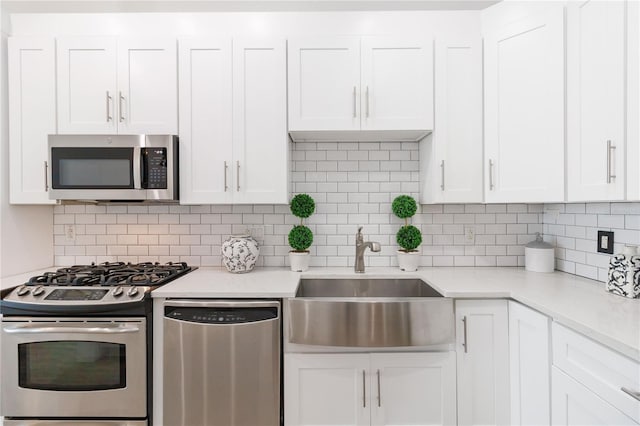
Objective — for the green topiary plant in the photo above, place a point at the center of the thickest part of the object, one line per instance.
(408, 236)
(301, 237)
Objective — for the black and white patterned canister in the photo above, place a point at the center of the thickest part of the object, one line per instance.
(624, 273)
(240, 253)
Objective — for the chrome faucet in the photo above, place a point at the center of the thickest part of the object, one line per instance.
(361, 246)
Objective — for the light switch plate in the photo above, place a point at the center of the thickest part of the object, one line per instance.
(605, 242)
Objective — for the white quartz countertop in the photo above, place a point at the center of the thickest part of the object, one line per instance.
(576, 302)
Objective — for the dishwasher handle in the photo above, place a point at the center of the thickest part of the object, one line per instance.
(206, 303)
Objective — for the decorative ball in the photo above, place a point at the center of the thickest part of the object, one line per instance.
(404, 206)
(240, 253)
(300, 238)
(302, 205)
(409, 237)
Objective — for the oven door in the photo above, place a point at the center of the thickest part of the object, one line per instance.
(72, 367)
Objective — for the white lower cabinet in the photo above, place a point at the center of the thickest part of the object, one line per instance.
(370, 389)
(482, 349)
(573, 404)
(530, 363)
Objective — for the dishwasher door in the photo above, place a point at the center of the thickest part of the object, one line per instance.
(221, 363)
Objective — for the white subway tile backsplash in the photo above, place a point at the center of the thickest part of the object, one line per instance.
(353, 184)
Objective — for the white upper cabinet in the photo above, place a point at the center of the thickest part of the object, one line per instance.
(205, 121)
(524, 106)
(324, 83)
(32, 116)
(596, 100)
(233, 122)
(451, 158)
(147, 86)
(397, 81)
(108, 86)
(87, 85)
(260, 140)
(360, 88)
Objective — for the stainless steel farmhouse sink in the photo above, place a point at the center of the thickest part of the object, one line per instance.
(369, 312)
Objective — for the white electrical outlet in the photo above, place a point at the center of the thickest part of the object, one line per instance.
(469, 235)
(70, 233)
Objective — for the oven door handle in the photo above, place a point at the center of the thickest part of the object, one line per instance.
(38, 329)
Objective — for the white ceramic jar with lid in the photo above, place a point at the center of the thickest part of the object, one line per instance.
(539, 256)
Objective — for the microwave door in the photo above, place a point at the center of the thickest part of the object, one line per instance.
(96, 173)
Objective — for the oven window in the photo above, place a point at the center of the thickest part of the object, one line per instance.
(72, 365)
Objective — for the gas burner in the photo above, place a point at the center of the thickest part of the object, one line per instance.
(112, 274)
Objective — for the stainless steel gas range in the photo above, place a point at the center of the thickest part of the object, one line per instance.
(76, 345)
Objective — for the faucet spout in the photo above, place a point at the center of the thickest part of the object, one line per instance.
(361, 246)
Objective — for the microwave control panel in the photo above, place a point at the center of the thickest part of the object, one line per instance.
(154, 167)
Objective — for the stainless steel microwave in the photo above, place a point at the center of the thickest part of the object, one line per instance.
(113, 167)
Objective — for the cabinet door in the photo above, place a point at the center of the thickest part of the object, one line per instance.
(260, 140)
(413, 388)
(397, 84)
(326, 389)
(205, 121)
(32, 116)
(596, 100)
(482, 348)
(524, 107)
(452, 156)
(86, 85)
(147, 86)
(324, 83)
(530, 366)
(575, 405)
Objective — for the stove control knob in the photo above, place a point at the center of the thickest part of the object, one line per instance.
(38, 290)
(23, 291)
(117, 292)
(132, 292)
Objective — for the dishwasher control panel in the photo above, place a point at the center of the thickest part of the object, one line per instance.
(211, 315)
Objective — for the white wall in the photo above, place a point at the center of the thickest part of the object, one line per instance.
(26, 241)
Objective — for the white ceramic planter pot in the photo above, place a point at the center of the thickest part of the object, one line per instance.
(240, 253)
(299, 261)
(409, 261)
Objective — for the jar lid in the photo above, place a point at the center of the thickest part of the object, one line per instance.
(538, 243)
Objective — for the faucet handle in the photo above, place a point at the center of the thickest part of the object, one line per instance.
(360, 229)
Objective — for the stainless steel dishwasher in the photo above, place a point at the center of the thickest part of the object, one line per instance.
(221, 363)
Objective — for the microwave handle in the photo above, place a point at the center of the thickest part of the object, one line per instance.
(137, 168)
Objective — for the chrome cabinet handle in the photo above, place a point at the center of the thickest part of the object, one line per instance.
(442, 175)
(632, 393)
(367, 96)
(226, 167)
(379, 394)
(364, 391)
(46, 178)
(120, 109)
(465, 345)
(109, 117)
(610, 147)
(137, 169)
(354, 102)
(36, 329)
(491, 185)
(238, 176)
